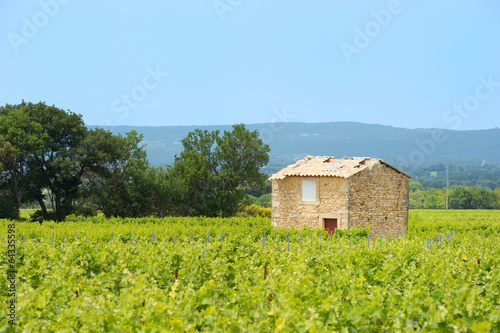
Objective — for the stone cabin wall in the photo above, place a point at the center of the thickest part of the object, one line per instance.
(379, 196)
(289, 211)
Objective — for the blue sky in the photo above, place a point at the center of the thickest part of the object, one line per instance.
(414, 64)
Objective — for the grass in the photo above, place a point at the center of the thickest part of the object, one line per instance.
(26, 212)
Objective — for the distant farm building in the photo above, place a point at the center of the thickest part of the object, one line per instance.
(329, 193)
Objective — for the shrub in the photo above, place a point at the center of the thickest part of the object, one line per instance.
(254, 211)
(38, 216)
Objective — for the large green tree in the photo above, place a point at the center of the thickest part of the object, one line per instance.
(7, 197)
(61, 161)
(6, 153)
(122, 186)
(23, 138)
(51, 149)
(213, 170)
(47, 150)
(164, 189)
(462, 197)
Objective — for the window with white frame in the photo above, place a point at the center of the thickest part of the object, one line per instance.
(308, 190)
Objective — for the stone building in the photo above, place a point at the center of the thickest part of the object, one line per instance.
(329, 193)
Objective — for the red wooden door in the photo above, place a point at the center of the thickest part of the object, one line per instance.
(330, 225)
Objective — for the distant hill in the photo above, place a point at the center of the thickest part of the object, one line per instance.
(289, 142)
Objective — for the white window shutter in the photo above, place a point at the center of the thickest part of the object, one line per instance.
(308, 190)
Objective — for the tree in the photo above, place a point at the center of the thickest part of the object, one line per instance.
(434, 198)
(51, 151)
(105, 153)
(487, 198)
(22, 139)
(213, 170)
(7, 197)
(416, 186)
(462, 197)
(497, 192)
(264, 200)
(417, 200)
(164, 191)
(258, 192)
(60, 162)
(6, 153)
(121, 186)
(486, 183)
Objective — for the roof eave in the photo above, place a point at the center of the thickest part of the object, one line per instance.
(396, 169)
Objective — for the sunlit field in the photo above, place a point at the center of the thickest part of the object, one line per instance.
(241, 275)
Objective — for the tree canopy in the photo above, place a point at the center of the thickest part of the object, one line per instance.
(49, 156)
(214, 170)
(460, 197)
(44, 149)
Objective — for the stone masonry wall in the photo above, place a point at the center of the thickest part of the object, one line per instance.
(379, 196)
(288, 209)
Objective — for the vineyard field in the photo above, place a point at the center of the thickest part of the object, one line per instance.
(242, 275)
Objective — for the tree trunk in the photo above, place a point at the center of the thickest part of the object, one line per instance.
(42, 206)
(17, 197)
(59, 209)
(18, 207)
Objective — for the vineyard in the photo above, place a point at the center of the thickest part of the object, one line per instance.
(242, 275)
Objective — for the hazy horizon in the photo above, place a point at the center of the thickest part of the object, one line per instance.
(295, 122)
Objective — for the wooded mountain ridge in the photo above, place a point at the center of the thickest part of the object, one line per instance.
(405, 148)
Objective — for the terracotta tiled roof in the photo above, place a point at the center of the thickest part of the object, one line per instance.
(329, 166)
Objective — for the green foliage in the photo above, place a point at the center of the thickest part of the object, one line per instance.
(416, 186)
(39, 216)
(21, 140)
(459, 198)
(6, 153)
(47, 152)
(473, 198)
(232, 284)
(122, 187)
(25, 213)
(214, 170)
(258, 192)
(7, 196)
(263, 201)
(428, 199)
(249, 200)
(164, 190)
(471, 175)
(7, 205)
